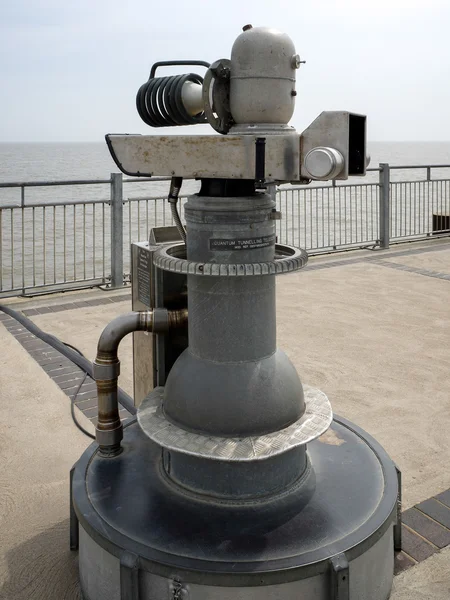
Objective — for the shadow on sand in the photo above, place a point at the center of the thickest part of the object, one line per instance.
(42, 568)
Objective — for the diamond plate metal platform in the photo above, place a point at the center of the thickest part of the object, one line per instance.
(313, 423)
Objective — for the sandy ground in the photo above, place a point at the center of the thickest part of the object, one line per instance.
(433, 261)
(429, 580)
(38, 446)
(374, 339)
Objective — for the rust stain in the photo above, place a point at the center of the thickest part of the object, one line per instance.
(331, 438)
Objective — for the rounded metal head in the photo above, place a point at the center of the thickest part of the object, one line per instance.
(262, 78)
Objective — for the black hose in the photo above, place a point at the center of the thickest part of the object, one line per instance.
(72, 411)
(73, 348)
(74, 356)
(175, 187)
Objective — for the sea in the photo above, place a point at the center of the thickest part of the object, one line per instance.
(50, 161)
(24, 162)
(51, 241)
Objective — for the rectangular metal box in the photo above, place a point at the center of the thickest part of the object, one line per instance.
(153, 288)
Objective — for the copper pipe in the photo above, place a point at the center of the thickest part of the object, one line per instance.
(109, 429)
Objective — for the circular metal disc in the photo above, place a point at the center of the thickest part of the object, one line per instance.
(313, 423)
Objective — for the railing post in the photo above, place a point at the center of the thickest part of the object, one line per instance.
(116, 230)
(385, 208)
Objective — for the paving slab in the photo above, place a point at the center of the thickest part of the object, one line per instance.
(427, 527)
(415, 546)
(436, 510)
(444, 497)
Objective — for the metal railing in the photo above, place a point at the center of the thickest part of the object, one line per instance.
(329, 217)
(416, 208)
(49, 243)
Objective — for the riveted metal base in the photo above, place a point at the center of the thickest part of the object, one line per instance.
(141, 538)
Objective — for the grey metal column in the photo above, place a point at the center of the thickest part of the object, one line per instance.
(116, 230)
(385, 205)
(232, 380)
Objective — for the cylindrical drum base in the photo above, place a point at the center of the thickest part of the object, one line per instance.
(141, 538)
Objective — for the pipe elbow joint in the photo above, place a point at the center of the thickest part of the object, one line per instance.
(109, 430)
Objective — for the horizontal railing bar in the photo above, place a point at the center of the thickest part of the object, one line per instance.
(162, 198)
(404, 167)
(419, 181)
(305, 188)
(341, 247)
(14, 184)
(329, 187)
(52, 288)
(53, 203)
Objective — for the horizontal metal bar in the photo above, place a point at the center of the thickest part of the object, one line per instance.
(342, 248)
(51, 203)
(403, 181)
(306, 188)
(50, 289)
(161, 198)
(343, 186)
(403, 167)
(14, 184)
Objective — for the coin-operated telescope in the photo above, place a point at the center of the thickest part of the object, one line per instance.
(250, 99)
(235, 481)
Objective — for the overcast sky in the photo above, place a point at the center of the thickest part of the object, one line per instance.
(70, 69)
